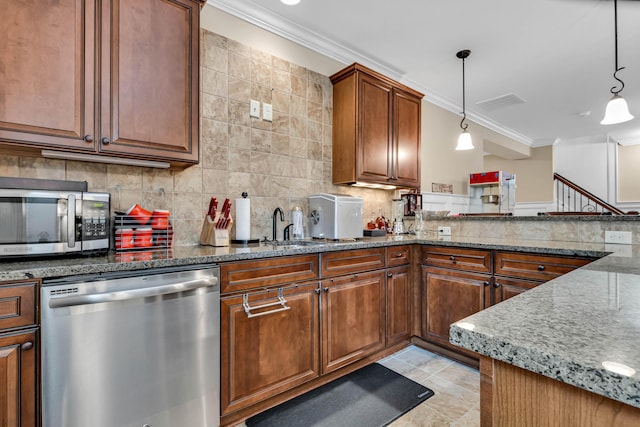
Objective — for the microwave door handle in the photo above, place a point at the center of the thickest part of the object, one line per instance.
(71, 221)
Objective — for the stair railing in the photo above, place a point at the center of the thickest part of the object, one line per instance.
(573, 199)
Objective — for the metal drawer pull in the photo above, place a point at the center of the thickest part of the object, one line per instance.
(541, 268)
(281, 302)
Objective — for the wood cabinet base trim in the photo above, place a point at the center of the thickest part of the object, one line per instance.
(446, 352)
(241, 415)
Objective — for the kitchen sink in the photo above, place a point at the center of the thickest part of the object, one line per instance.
(296, 243)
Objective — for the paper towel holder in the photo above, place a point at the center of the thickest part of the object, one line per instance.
(244, 241)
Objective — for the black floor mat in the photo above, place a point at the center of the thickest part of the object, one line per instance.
(369, 397)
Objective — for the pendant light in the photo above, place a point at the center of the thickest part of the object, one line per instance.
(464, 140)
(617, 110)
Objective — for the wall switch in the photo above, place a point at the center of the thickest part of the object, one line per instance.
(267, 112)
(254, 109)
(444, 231)
(619, 237)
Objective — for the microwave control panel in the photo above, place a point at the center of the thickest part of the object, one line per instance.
(95, 220)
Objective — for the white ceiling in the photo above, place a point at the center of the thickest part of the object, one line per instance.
(557, 55)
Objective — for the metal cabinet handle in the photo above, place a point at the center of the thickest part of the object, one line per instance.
(541, 268)
(399, 255)
(485, 283)
(88, 138)
(27, 346)
(281, 302)
(317, 291)
(496, 285)
(389, 274)
(452, 258)
(105, 141)
(325, 289)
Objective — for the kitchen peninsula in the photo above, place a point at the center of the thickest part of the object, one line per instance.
(595, 315)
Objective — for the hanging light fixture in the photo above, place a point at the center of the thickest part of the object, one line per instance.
(464, 140)
(617, 110)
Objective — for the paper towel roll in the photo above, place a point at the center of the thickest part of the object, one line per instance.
(243, 219)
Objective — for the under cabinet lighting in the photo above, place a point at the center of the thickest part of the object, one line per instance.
(52, 154)
(374, 186)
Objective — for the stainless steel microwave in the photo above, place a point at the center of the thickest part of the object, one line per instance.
(53, 222)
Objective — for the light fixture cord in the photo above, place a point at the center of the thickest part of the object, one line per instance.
(615, 26)
(463, 125)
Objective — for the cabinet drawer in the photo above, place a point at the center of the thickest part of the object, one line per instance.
(17, 304)
(354, 261)
(459, 258)
(398, 255)
(535, 266)
(243, 275)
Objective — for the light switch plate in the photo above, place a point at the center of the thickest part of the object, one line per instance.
(444, 231)
(619, 237)
(254, 109)
(267, 112)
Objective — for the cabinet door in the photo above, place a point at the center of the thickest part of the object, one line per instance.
(268, 350)
(47, 72)
(18, 391)
(505, 288)
(149, 81)
(449, 296)
(374, 140)
(406, 139)
(398, 304)
(353, 318)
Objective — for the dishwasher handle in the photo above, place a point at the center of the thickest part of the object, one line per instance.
(189, 285)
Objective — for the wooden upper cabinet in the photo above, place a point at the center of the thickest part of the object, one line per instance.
(149, 87)
(117, 77)
(47, 74)
(376, 129)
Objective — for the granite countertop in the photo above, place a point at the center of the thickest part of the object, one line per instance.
(582, 328)
(191, 255)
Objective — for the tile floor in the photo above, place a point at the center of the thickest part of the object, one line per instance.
(457, 389)
(456, 402)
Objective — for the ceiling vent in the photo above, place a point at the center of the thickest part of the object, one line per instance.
(501, 102)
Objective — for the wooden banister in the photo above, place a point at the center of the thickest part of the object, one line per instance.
(589, 196)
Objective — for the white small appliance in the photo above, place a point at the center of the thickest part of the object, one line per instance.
(335, 216)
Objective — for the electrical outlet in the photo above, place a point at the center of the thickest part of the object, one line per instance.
(254, 109)
(267, 112)
(444, 231)
(619, 237)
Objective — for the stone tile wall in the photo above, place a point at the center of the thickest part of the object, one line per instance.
(278, 163)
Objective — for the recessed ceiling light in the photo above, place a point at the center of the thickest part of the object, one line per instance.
(290, 2)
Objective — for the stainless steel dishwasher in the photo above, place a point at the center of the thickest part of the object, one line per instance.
(132, 349)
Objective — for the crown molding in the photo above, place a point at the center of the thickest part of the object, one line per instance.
(259, 16)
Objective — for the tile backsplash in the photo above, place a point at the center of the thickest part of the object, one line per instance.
(278, 163)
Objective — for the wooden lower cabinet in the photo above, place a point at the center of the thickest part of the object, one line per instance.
(398, 308)
(507, 287)
(18, 379)
(353, 318)
(449, 296)
(268, 350)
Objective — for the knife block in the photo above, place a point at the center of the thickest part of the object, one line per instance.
(212, 236)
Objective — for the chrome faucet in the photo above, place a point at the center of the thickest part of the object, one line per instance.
(275, 217)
